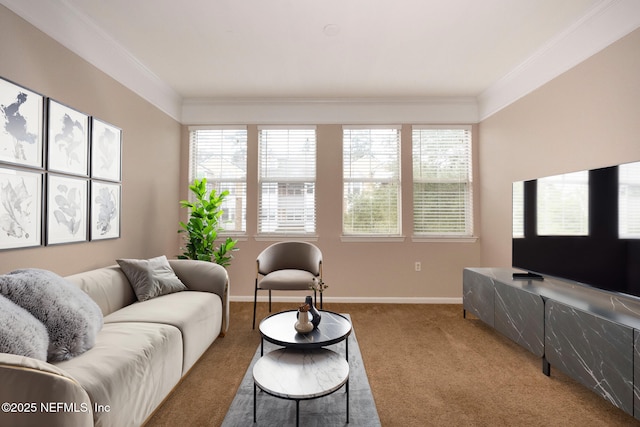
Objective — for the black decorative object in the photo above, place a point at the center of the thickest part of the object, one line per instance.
(315, 314)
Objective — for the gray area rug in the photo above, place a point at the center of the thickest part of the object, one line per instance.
(322, 412)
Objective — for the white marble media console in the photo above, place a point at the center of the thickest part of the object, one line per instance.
(589, 334)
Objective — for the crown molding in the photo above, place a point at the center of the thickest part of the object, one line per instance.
(607, 22)
(291, 111)
(72, 29)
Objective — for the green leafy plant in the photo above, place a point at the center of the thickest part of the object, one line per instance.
(202, 229)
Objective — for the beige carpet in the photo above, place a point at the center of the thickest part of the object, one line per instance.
(427, 366)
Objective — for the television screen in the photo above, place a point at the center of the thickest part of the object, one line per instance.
(582, 226)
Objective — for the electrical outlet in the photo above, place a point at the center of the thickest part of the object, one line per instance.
(418, 266)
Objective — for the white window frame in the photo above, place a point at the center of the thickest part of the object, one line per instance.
(220, 180)
(271, 224)
(351, 178)
(467, 180)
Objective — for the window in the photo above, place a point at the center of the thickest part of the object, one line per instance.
(371, 173)
(219, 154)
(563, 205)
(517, 201)
(442, 184)
(629, 200)
(287, 177)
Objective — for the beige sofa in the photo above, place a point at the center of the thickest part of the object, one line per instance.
(140, 354)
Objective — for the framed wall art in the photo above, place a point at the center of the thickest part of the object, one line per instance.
(106, 151)
(105, 210)
(66, 209)
(20, 208)
(21, 125)
(68, 140)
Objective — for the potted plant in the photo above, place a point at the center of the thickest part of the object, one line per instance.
(202, 229)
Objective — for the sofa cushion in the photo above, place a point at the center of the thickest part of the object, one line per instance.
(151, 278)
(198, 316)
(71, 317)
(129, 371)
(107, 286)
(20, 332)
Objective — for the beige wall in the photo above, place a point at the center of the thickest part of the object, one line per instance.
(355, 270)
(151, 143)
(586, 118)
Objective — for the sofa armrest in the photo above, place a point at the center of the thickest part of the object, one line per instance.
(33, 392)
(206, 277)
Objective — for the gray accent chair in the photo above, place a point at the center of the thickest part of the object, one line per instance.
(287, 266)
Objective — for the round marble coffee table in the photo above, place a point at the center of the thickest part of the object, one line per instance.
(298, 374)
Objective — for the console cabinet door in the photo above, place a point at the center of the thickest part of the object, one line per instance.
(636, 374)
(594, 351)
(520, 316)
(478, 295)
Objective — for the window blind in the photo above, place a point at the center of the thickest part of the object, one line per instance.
(371, 174)
(442, 181)
(219, 154)
(563, 205)
(287, 176)
(629, 201)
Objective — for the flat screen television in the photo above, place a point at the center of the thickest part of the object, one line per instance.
(581, 226)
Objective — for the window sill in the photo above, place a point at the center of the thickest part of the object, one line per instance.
(371, 238)
(235, 236)
(444, 239)
(274, 237)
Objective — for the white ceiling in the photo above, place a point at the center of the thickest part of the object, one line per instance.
(193, 52)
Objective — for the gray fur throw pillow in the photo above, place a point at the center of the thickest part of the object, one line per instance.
(20, 332)
(71, 317)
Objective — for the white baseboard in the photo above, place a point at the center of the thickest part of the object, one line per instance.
(364, 300)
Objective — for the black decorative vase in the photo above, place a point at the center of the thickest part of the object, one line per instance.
(315, 314)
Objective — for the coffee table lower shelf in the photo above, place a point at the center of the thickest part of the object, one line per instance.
(295, 374)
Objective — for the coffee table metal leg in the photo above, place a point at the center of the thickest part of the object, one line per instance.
(347, 401)
(254, 402)
(297, 413)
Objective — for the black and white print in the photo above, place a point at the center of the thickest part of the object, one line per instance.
(68, 140)
(105, 210)
(20, 208)
(21, 130)
(105, 151)
(66, 209)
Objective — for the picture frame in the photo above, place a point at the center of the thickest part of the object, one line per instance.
(106, 151)
(66, 209)
(68, 140)
(21, 202)
(21, 125)
(105, 210)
